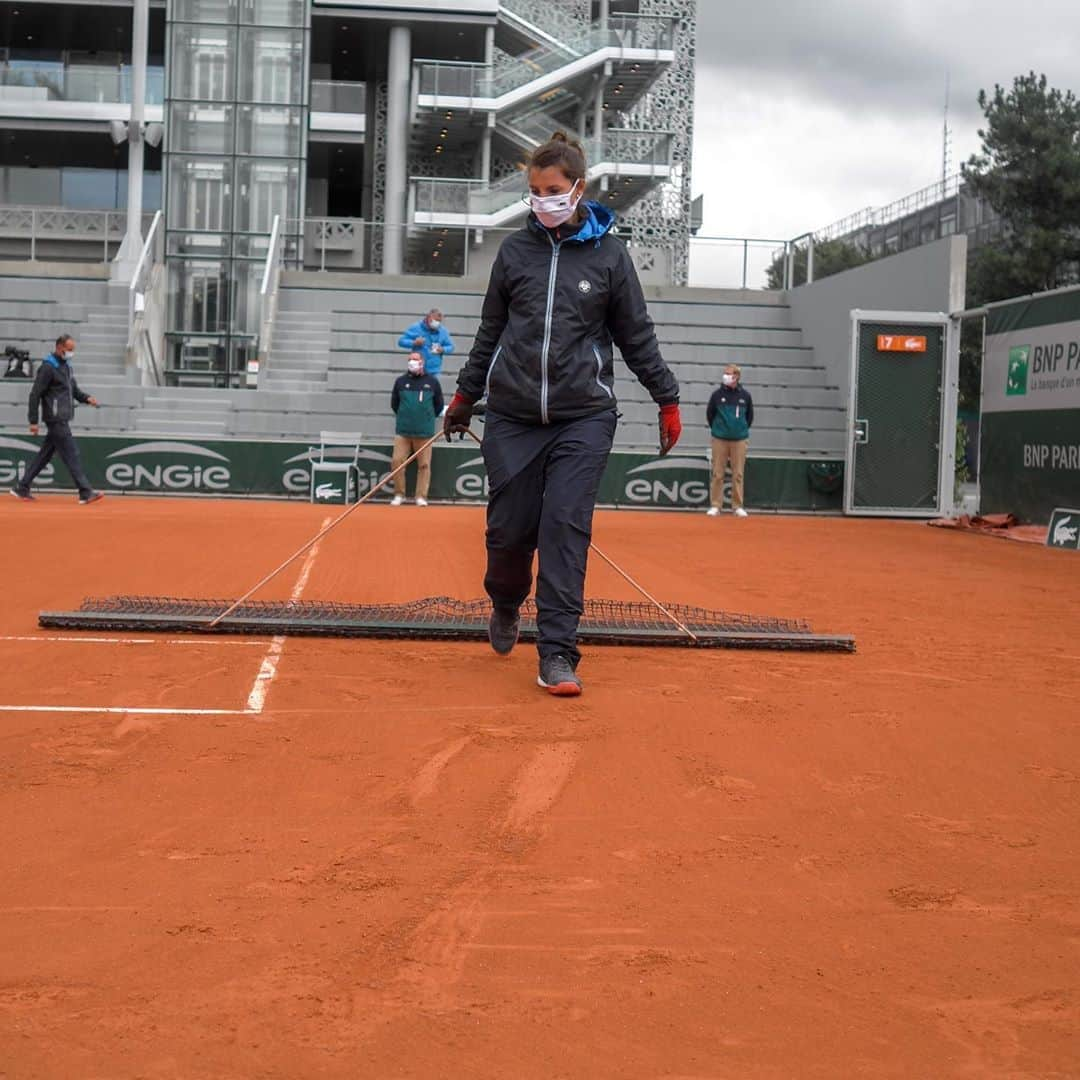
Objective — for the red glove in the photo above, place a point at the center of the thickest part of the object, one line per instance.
(670, 426)
(458, 414)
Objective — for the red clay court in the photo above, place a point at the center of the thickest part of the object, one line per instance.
(402, 859)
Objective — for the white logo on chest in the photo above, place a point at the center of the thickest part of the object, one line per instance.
(584, 286)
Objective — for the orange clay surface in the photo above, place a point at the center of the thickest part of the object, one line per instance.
(414, 863)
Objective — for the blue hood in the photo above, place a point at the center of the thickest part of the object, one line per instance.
(599, 221)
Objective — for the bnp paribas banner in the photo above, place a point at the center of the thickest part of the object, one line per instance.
(179, 466)
(1029, 459)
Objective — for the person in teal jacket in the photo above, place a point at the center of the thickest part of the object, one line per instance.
(416, 400)
(430, 339)
(730, 414)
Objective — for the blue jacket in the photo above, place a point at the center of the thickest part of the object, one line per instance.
(432, 360)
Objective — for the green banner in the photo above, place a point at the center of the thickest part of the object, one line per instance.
(1029, 463)
(182, 466)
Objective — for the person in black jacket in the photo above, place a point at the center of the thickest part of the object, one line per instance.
(563, 292)
(55, 392)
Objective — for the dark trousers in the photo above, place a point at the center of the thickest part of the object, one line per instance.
(58, 440)
(542, 484)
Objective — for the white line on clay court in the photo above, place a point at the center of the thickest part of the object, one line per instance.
(45, 638)
(268, 669)
(125, 710)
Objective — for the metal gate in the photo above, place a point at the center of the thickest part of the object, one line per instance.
(901, 445)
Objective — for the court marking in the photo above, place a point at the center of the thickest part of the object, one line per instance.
(256, 699)
(52, 639)
(125, 710)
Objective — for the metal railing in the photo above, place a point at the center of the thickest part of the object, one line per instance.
(268, 298)
(733, 262)
(338, 97)
(146, 306)
(40, 224)
(875, 216)
(42, 81)
(440, 78)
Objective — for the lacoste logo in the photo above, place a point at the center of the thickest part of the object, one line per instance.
(327, 491)
(584, 286)
(1063, 534)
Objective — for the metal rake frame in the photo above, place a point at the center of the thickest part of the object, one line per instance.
(603, 622)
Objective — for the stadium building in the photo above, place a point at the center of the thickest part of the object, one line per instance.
(311, 177)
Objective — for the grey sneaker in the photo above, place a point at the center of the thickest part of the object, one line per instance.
(503, 629)
(94, 496)
(557, 676)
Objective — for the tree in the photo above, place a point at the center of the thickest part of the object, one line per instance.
(830, 257)
(1029, 172)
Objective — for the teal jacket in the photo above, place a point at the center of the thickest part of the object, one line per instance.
(416, 401)
(730, 413)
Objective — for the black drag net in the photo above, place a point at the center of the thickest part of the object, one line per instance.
(613, 622)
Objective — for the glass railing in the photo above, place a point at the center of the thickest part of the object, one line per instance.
(619, 146)
(42, 81)
(338, 97)
(550, 18)
(444, 79)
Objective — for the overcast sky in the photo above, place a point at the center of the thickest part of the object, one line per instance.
(809, 111)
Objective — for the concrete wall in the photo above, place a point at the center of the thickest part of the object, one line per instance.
(928, 278)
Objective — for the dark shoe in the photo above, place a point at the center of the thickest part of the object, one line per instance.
(558, 677)
(94, 496)
(503, 629)
(23, 496)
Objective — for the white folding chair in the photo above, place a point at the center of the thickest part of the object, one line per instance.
(338, 454)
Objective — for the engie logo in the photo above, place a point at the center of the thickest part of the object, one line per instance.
(168, 466)
(13, 468)
(474, 483)
(296, 477)
(1016, 378)
(672, 489)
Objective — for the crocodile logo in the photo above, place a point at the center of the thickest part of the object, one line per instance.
(1063, 534)
(327, 491)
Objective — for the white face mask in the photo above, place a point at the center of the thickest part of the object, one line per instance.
(415, 367)
(730, 380)
(553, 210)
(434, 323)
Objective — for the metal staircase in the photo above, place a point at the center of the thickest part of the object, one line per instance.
(525, 96)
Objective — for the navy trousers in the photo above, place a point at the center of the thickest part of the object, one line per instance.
(543, 482)
(58, 440)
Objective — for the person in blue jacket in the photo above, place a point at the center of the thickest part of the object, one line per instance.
(430, 339)
(730, 414)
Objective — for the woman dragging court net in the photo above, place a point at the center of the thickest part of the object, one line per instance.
(563, 292)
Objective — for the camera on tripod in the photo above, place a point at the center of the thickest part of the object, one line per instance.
(18, 364)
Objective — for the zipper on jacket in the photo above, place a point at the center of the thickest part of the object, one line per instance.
(599, 371)
(547, 329)
(491, 368)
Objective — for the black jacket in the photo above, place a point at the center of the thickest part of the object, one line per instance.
(554, 309)
(56, 390)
